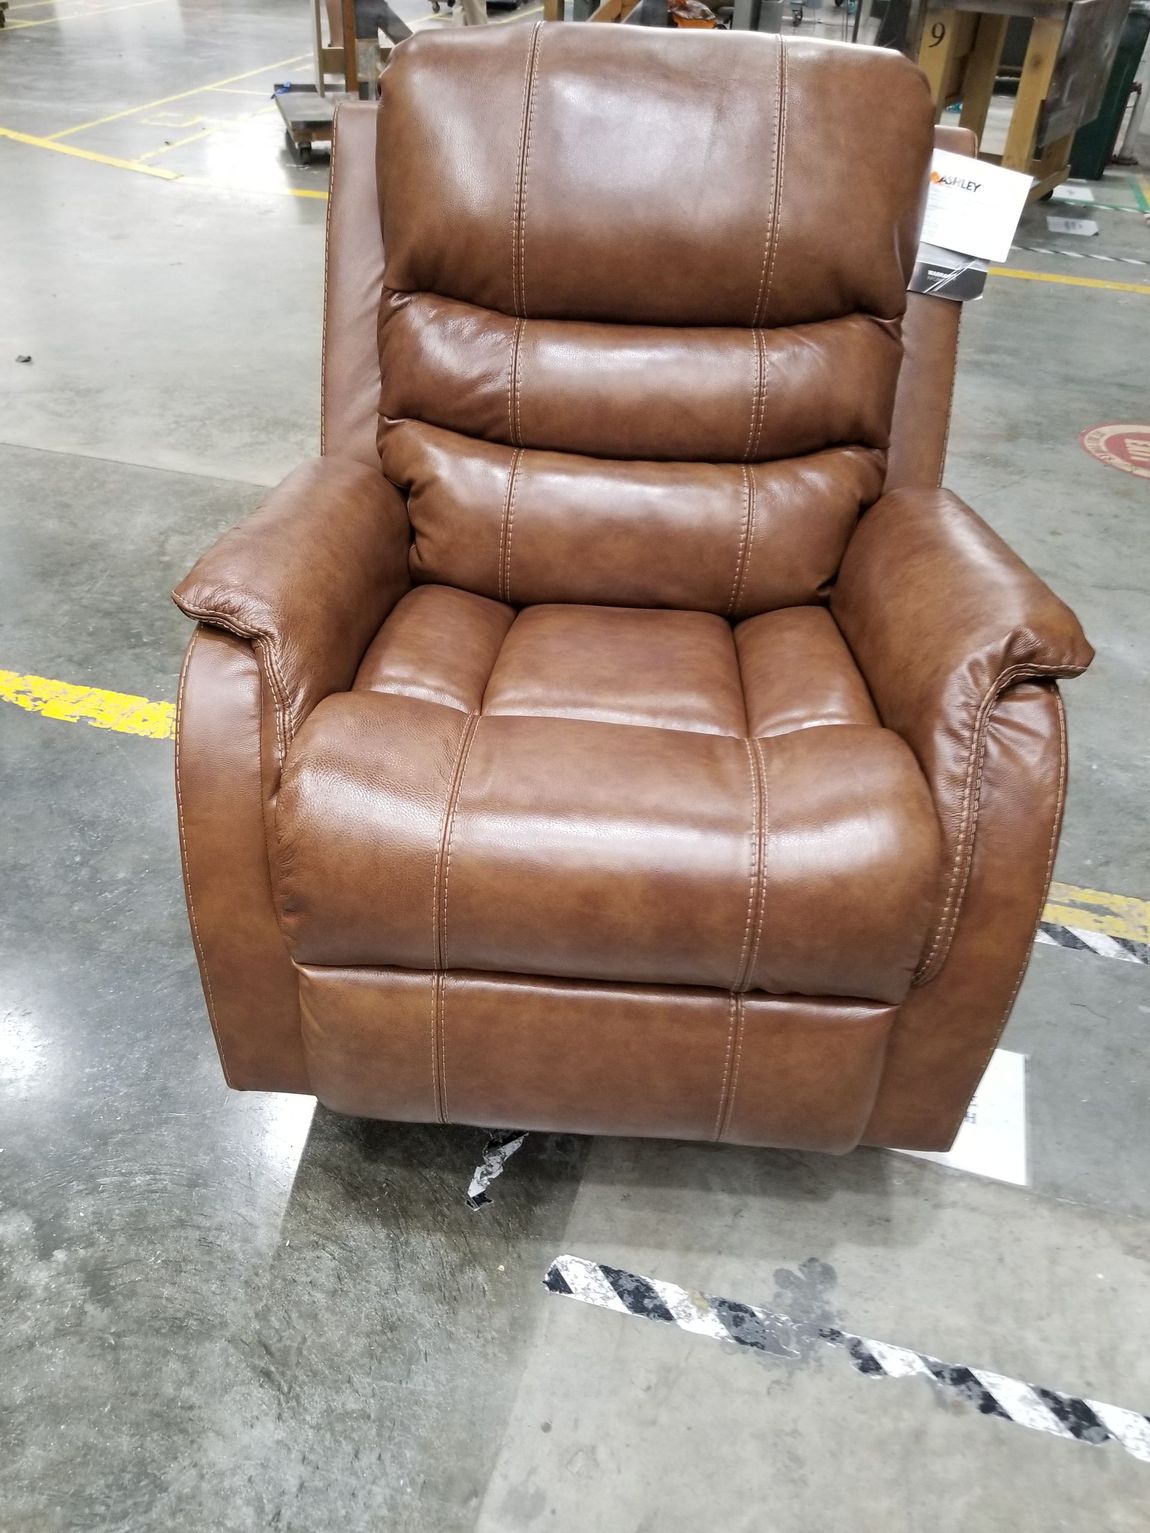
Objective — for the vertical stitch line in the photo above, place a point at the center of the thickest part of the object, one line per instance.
(279, 694)
(748, 540)
(448, 810)
(720, 1116)
(199, 946)
(742, 540)
(764, 839)
(753, 881)
(763, 393)
(444, 1111)
(754, 429)
(1050, 855)
(740, 1034)
(469, 736)
(513, 490)
(435, 1097)
(780, 171)
(513, 387)
(968, 815)
(503, 577)
(769, 237)
(518, 238)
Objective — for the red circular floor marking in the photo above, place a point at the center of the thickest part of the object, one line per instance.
(1124, 447)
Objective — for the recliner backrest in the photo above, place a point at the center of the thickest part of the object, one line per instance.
(639, 335)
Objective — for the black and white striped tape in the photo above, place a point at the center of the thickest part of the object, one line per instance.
(992, 1394)
(500, 1147)
(1082, 255)
(1083, 205)
(1080, 940)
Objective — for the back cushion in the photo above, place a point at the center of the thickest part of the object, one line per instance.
(639, 336)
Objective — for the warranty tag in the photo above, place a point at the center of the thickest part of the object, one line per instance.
(973, 206)
(945, 274)
(972, 211)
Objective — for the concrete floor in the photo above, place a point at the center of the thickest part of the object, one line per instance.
(221, 1312)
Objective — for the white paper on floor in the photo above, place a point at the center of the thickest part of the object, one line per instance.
(1068, 193)
(1071, 225)
(992, 1139)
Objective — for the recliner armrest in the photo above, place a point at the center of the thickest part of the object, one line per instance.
(942, 616)
(308, 577)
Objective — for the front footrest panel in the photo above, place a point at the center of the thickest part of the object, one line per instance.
(564, 1056)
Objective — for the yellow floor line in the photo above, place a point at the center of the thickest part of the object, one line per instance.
(1093, 910)
(219, 127)
(202, 182)
(121, 711)
(1046, 276)
(88, 154)
(181, 95)
(253, 191)
(105, 10)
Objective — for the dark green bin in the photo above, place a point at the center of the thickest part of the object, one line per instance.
(1094, 142)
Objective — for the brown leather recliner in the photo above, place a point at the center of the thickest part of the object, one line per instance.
(561, 749)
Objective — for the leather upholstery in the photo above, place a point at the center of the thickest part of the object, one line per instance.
(308, 578)
(921, 424)
(249, 983)
(515, 218)
(531, 527)
(595, 1059)
(923, 563)
(947, 1029)
(743, 499)
(353, 278)
(596, 808)
(594, 766)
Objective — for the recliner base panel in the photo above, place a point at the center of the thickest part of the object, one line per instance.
(509, 1051)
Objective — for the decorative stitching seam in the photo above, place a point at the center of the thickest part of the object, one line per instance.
(1059, 801)
(746, 542)
(759, 415)
(753, 429)
(721, 1115)
(262, 643)
(769, 240)
(504, 572)
(284, 725)
(436, 1100)
(764, 837)
(448, 811)
(445, 1110)
(780, 166)
(513, 387)
(968, 813)
(199, 946)
(449, 830)
(764, 393)
(754, 894)
(518, 238)
(741, 1033)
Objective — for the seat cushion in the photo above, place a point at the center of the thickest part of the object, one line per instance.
(575, 792)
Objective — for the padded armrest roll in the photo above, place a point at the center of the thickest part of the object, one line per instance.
(309, 577)
(942, 617)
